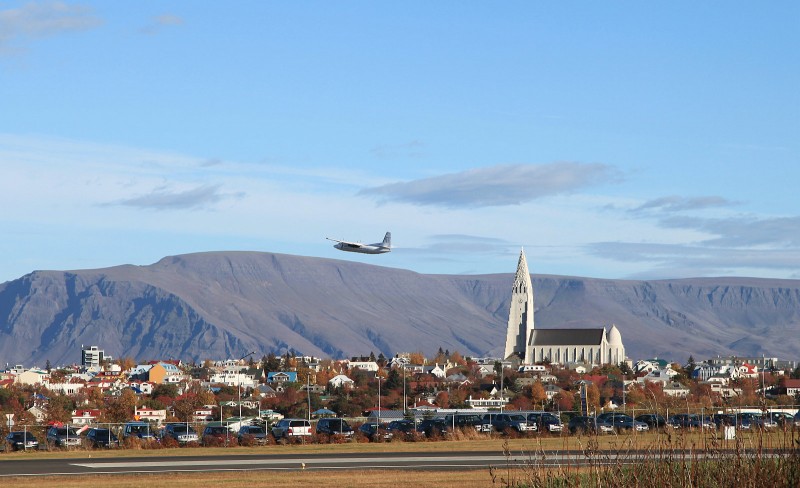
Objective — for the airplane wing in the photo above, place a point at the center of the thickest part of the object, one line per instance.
(348, 244)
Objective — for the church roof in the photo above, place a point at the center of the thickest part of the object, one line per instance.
(567, 337)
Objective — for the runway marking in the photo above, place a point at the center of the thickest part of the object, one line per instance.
(313, 461)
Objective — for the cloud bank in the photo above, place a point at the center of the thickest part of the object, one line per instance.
(495, 185)
(43, 19)
(162, 199)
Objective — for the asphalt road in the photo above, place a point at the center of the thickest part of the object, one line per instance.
(379, 460)
(401, 460)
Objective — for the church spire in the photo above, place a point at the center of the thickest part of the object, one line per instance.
(520, 316)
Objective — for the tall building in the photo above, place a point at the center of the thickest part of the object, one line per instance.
(591, 346)
(520, 317)
(92, 356)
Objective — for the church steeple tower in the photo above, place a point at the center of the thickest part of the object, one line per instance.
(520, 317)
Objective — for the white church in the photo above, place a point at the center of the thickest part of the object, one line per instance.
(558, 346)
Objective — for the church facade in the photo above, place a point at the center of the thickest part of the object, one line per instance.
(558, 346)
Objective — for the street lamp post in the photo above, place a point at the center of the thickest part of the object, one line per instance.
(239, 386)
(405, 403)
(379, 397)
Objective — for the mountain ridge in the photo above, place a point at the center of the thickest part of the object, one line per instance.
(221, 304)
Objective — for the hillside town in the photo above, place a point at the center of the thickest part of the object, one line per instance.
(105, 390)
(567, 373)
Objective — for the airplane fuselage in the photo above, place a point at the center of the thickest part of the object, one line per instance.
(374, 248)
(362, 248)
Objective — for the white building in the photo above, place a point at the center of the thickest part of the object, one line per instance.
(561, 346)
(341, 380)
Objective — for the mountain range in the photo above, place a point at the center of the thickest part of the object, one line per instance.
(219, 305)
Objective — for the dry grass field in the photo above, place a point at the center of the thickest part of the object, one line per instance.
(249, 479)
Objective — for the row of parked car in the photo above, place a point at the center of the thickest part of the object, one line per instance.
(287, 429)
(745, 420)
(63, 437)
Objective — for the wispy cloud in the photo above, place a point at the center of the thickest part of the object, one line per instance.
(496, 185)
(742, 231)
(163, 199)
(676, 203)
(159, 22)
(43, 19)
(411, 149)
(738, 245)
(697, 260)
(461, 243)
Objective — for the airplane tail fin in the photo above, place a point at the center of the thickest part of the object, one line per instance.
(387, 240)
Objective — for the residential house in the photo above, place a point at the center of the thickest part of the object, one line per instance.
(792, 387)
(69, 388)
(85, 417)
(281, 377)
(649, 365)
(38, 413)
(370, 366)
(165, 372)
(723, 390)
(265, 391)
(435, 371)
(151, 415)
(675, 389)
(312, 388)
(33, 376)
(551, 390)
(204, 414)
(340, 381)
(703, 371)
(662, 376)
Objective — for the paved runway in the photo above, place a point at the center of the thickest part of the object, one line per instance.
(380, 460)
(416, 460)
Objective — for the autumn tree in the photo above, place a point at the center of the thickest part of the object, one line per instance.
(443, 399)
(538, 394)
(121, 408)
(416, 358)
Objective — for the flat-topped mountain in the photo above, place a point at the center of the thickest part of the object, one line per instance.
(225, 304)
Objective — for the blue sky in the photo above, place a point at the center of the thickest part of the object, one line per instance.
(614, 139)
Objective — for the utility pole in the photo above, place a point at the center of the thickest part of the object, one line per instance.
(239, 385)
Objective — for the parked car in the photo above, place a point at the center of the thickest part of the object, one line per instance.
(589, 425)
(503, 422)
(749, 420)
(404, 427)
(140, 430)
(287, 429)
(723, 419)
(545, 422)
(694, 421)
(781, 418)
(22, 440)
(216, 434)
(433, 428)
(376, 432)
(621, 421)
(181, 432)
(64, 436)
(467, 421)
(334, 426)
(653, 420)
(252, 434)
(797, 419)
(101, 438)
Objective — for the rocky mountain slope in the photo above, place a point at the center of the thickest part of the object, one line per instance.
(224, 304)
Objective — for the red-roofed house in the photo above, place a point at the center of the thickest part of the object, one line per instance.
(792, 387)
(87, 416)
